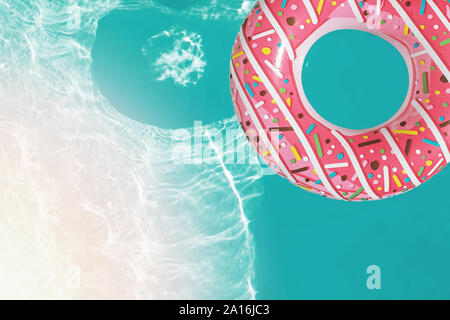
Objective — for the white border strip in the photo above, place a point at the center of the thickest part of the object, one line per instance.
(439, 13)
(311, 11)
(420, 37)
(278, 29)
(400, 156)
(355, 164)
(433, 129)
(287, 114)
(259, 128)
(356, 11)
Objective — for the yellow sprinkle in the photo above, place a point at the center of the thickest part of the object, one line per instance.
(296, 155)
(379, 188)
(266, 153)
(422, 62)
(410, 132)
(273, 101)
(238, 54)
(306, 188)
(266, 51)
(403, 171)
(422, 26)
(256, 78)
(333, 3)
(405, 32)
(308, 20)
(237, 64)
(319, 7)
(427, 100)
(437, 92)
(365, 137)
(429, 163)
(288, 101)
(314, 171)
(397, 181)
(422, 129)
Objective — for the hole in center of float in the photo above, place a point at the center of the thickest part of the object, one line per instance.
(355, 79)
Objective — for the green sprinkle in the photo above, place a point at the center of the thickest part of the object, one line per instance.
(417, 123)
(275, 120)
(282, 90)
(356, 193)
(446, 41)
(382, 151)
(292, 160)
(280, 13)
(319, 148)
(434, 37)
(445, 104)
(351, 140)
(425, 83)
(420, 171)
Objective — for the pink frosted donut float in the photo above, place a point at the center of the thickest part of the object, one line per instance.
(296, 142)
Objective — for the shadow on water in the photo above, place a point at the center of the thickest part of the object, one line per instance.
(138, 62)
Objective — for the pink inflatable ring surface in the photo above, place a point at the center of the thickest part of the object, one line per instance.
(314, 154)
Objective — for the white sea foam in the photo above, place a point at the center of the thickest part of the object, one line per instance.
(92, 205)
(176, 54)
(208, 9)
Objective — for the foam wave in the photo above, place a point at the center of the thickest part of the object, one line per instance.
(94, 205)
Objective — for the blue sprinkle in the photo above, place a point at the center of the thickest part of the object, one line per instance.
(361, 4)
(370, 175)
(434, 143)
(258, 11)
(416, 45)
(279, 44)
(280, 136)
(407, 179)
(441, 118)
(333, 174)
(311, 128)
(422, 7)
(255, 84)
(340, 156)
(286, 81)
(250, 92)
(318, 182)
(283, 4)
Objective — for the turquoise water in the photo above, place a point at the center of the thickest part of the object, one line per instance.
(364, 85)
(305, 246)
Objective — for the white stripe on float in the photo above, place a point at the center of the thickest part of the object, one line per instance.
(288, 116)
(259, 127)
(311, 11)
(386, 178)
(400, 156)
(420, 37)
(263, 34)
(435, 167)
(278, 29)
(419, 53)
(433, 129)
(356, 11)
(439, 13)
(355, 164)
(336, 165)
(274, 69)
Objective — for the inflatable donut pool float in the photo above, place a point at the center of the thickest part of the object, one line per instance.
(297, 143)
